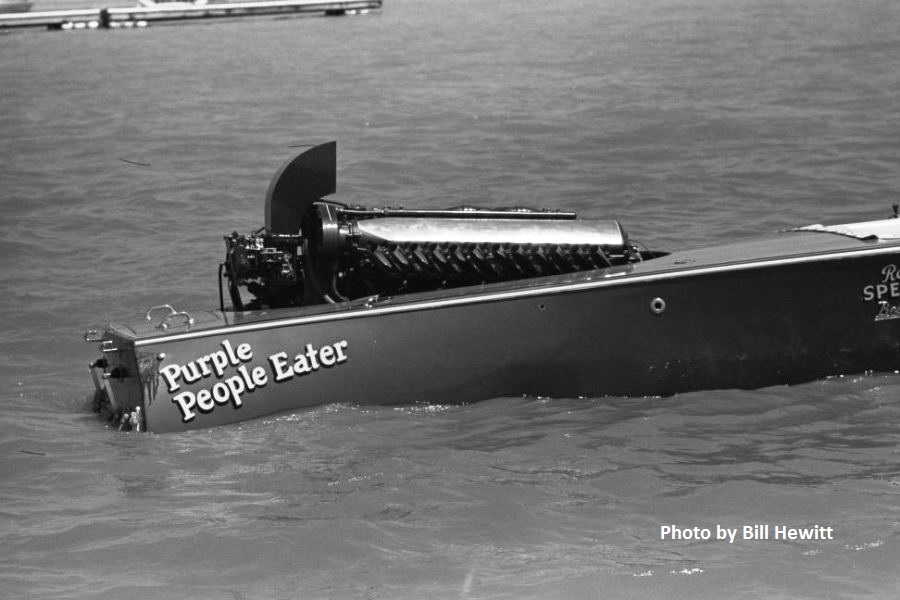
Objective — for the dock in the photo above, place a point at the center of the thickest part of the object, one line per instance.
(141, 16)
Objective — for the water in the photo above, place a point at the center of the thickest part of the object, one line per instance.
(690, 121)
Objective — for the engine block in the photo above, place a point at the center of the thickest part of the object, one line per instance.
(346, 252)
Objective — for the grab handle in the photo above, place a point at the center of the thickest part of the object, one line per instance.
(188, 319)
(171, 310)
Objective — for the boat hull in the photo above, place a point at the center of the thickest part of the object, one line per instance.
(784, 310)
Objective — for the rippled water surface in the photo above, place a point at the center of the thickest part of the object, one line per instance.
(127, 154)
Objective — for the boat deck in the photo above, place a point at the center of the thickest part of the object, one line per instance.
(792, 247)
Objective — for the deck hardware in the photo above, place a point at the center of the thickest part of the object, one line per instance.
(188, 320)
(164, 323)
(153, 309)
(93, 335)
(657, 306)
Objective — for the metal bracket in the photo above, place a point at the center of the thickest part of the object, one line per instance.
(366, 301)
(93, 335)
(102, 384)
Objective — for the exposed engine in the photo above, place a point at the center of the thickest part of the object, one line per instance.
(313, 251)
(344, 252)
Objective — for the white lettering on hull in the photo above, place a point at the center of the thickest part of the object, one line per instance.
(884, 293)
(235, 378)
(309, 362)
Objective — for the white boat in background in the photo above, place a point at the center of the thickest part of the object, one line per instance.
(15, 6)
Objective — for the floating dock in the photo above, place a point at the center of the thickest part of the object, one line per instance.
(141, 16)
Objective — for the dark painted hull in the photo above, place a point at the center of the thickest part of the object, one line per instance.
(784, 309)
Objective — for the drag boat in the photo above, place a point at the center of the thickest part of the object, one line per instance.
(335, 303)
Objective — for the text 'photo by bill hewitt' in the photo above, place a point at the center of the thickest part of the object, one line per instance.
(454, 300)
